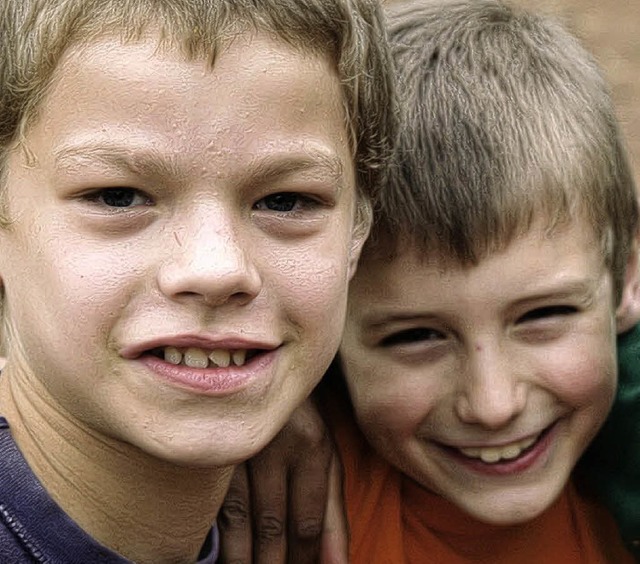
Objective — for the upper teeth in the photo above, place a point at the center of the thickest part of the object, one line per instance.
(199, 358)
(494, 454)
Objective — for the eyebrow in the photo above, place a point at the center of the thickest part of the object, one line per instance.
(144, 162)
(584, 290)
(150, 162)
(270, 167)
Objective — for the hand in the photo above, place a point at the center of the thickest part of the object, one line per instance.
(335, 537)
(275, 508)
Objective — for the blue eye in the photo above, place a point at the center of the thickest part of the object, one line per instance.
(120, 197)
(283, 202)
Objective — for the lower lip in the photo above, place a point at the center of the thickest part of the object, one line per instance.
(212, 381)
(533, 457)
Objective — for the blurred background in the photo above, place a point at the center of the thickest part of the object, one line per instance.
(610, 29)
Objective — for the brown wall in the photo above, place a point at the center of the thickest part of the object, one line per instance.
(611, 30)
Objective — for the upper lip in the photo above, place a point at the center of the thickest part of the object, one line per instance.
(196, 341)
(493, 444)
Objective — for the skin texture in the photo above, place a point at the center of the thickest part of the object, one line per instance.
(275, 510)
(200, 248)
(440, 357)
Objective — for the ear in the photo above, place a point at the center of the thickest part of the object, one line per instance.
(359, 234)
(628, 312)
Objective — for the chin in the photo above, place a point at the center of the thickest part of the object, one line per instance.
(511, 510)
(211, 451)
(215, 457)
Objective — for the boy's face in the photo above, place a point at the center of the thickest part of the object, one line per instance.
(485, 383)
(175, 276)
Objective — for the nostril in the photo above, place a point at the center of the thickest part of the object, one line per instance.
(209, 287)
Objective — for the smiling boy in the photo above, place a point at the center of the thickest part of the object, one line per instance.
(480, 343)
(185, 191)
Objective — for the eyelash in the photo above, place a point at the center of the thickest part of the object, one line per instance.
(289, 202)
(423, 334)
(546, 312)
(118, 192)
(410, 336)
(300, 202)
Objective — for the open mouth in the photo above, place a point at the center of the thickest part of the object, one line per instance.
(501, 454)
(194, 357)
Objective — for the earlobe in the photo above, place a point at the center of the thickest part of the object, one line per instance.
(628, 312)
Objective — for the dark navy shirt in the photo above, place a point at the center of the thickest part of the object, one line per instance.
(34, 529)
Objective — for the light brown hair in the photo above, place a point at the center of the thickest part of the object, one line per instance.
(505, 119)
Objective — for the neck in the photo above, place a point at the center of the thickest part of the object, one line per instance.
(146, 509)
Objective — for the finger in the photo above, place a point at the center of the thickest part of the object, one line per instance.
(309, 487)
(234, 521)
(335, 537)
(268, 479)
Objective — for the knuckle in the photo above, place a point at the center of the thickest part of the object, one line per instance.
(234, 513)
(269, 527)
(308, 426)
(309, 528)
(316, 436)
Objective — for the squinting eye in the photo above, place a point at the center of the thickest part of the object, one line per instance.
(280, 202)
(407, 336)
(120, 197)
(546, 312)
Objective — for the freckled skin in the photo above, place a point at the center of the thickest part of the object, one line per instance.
(484, 355)
(200, 254)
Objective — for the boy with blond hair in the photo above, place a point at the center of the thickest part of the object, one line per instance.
(185, 192)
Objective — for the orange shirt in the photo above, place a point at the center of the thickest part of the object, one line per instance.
(393, 520)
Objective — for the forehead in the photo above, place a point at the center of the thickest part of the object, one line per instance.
(262, 96)
(251, 70)
(535, 260)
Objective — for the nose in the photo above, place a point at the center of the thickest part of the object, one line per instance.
(491, 392)
(210, 258)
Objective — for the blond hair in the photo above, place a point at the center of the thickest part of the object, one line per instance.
(34, 34)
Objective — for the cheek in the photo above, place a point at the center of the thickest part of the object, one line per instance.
(311, 284)
(585, 381)
(392, 422)
(584, 374)
(78, 289)
(390, 407)
(97, 279)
